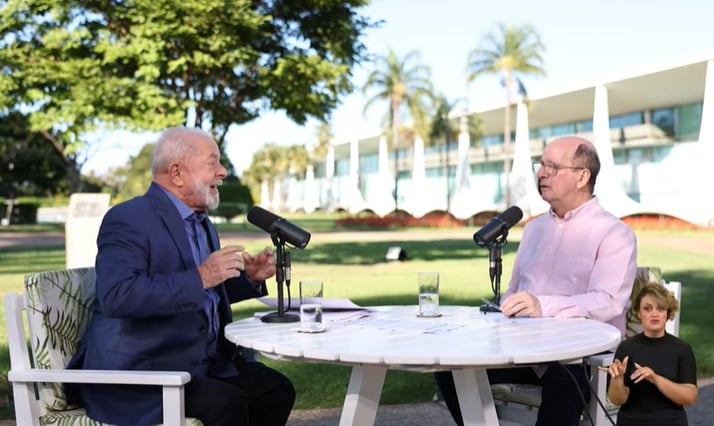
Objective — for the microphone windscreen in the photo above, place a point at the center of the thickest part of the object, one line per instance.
(512, 215)
(261, 218)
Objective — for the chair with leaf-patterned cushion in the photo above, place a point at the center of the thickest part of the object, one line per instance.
(57, 306)
(518, 403)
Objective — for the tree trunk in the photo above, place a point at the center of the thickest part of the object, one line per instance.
(506, 153)
(395, 140)
(445, 164)
(75, 178)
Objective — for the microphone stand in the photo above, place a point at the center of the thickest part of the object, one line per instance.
(495, 264)
(280, 268)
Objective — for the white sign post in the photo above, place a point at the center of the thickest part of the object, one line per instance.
(82, 226)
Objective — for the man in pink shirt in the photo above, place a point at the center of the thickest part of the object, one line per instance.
(577, 260)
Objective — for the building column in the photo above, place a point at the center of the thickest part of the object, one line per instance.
(610, 195)
(328, 202)
(416, 203)
(379, 197)
(524, 192)
(706, 129)
(356, 202)
(463, 204)
(309, 202)
(265, 195)
(701, 199)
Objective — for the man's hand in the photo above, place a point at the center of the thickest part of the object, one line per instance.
(221, 265)
(521, 304)
(261, 266)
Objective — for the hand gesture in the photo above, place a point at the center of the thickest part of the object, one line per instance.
(521, 304)
(643, 373)
(221, 265)
(617, 368)
(261, 266)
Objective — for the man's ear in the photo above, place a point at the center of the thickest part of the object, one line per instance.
(175, 173)
(583, 178)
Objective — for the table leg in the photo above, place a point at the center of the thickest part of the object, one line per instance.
(475, 399)
(363, 394)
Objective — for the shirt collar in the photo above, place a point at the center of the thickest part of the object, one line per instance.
(183, 210)
(576, 211)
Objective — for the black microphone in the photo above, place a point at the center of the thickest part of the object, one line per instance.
(279, 227)
(497, 226)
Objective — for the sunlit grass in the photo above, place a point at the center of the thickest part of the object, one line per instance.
(356, 268)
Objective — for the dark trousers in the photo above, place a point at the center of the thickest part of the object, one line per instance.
(258, 396)
(562, 403)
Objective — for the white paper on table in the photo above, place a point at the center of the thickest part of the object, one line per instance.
(404, 325)
(346, 317)
(327, 304)
(335, 317)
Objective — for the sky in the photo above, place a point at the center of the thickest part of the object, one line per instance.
(583, 39)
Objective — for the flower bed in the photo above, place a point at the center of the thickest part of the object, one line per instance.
(402, 219)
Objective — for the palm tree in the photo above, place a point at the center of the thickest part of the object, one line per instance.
(323, 137)
(403, 82)
(442, 129)
(507, 51)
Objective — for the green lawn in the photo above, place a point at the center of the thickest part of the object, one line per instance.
(356, 269)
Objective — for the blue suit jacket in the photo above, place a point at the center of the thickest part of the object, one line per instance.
(148, 312)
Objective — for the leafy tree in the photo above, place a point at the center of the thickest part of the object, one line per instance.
(403, 82)
(267, 163)
(235, 198)
(132, 180)
(25, 169)
(507, 51)
(274, 163)
(323, 138)
(76, 66)
(443, 129)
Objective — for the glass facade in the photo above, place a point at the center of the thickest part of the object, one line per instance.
(664, 119)
(369, 163)
(342, 167)
(626, 120)
(690, 118)
(640, 150)
(681, 123)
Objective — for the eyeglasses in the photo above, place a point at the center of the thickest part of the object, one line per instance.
(551, 169)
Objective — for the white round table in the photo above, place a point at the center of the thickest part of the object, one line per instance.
(463, 340)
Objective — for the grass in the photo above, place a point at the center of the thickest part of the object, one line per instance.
(356, 269)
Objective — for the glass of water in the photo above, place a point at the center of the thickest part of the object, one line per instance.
(428, 294)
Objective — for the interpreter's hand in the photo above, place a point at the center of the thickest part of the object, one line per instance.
(521, 304)
(617, 368)
(261, 266)
(221, 265)
(643, 373)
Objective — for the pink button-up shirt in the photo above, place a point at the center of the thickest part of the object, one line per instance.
(583, 265)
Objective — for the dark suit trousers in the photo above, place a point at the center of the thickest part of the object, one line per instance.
(562, 403)
(258, 396)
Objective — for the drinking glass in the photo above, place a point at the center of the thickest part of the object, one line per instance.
(429, 294)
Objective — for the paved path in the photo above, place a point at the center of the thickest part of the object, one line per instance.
(435, 414)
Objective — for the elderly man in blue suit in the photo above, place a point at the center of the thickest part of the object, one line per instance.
(164, 290)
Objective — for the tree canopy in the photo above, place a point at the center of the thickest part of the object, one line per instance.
(24, 168)
(75, 66)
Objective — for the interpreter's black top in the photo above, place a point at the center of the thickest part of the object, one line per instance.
(667, 356)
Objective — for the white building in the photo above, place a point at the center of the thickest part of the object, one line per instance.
(653, 128)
